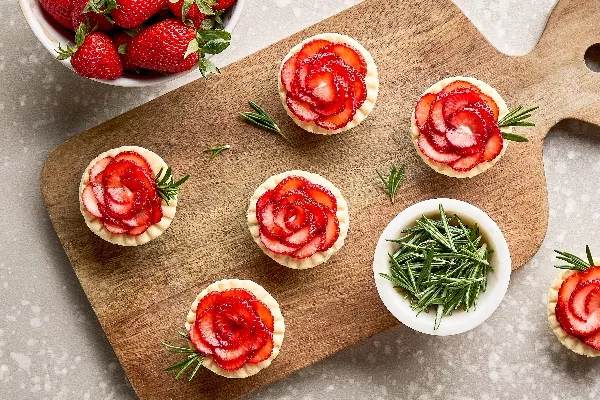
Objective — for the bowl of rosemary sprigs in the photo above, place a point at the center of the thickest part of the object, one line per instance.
(442, 266)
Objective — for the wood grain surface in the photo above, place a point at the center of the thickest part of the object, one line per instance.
(141, 295)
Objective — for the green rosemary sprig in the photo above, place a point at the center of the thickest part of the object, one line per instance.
(392, 181)
(514, 137)
(516, 117)
(441, 264)
(166, 185)
(574, 262)
(215, 151)
(191, 356)
(262, 119)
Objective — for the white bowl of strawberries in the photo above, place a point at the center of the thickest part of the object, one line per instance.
(133, 43)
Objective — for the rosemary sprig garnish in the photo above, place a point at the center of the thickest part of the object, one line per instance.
(215, 151)
(574, 262)
(514, 137)
(392, 181)
(440, 264)
(516, 117)
(262, 119)
(166, 185)
(191, 356)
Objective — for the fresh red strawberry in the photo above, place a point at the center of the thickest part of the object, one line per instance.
(137, 231)
(493, 146)
(198, 342)
(122, 40)
(239, 293)
(89, 201)
(309, 249)
(351, 56)
(140, 218)
(491, 104)
(439, 142)
(422, 110)
(459, 85)
(121, 194)
(577, 302)
(280, 220)
(341, 103)
(93, 13)
(95, 55)
(461, 137)
(288, 72)
(193, 13)
(232, 365)
(467, 163)
(223, 4)
(99, 191)
(131, 13)
(593, 341)
(275, 245)
(264, 352)
(591, 274)
(321, 85)
(340, 120)
(162, 47)
(568, 287)
(301, 109)
(135, 158)
(60, 11)
(575, 327)
(267, 221)
(438, 156)
(317, 213)
(206, 302)
(592, 302)
(156, 213)
(299, 238)
(287, 185)
(332, 231)
(454, 101)
(206, 322)
(469, 125)
(360, 92)
(119, 210)
(295, 217)
(112, 228)
(436, 117)
(98, 168)
(321, 195)
(264, 313)
(311, 48)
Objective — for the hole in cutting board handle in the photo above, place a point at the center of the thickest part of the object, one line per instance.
(592, 57)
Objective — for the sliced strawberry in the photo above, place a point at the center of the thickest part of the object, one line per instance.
(321, 85)
(300, 237)
(301, 109)
(332, 231)
(439, 142)
(591, 274)
(239, 293)
(295, 217)
(341, 103)
(136, 158)
(287, 185)
(232, 365)
(264, 352)
(491, 104)
(593, 341)
(467, 163)
(351, 56)
(206, 302)
(264, 313)
(275, 245)
(575, 327)
(120, 194)
(98, 192)
(486, 115)
(461, 137)
(493, 146)
(309, 249)
(112, 228)
(140, 218)
(360, 92)
(119, 210)
(235, 352)
(288, 72)
(592, 301)
(280, 220)
(459, 85)
(267, 221)
(317, 213)
(568, 287)
(578, 299)
(454, 101)
(436, 117)
(137, 231)
(98, 168)
(90, 202)
(422, 110)
(340, 120)
(197, 341)
(205, 322)
(263, 201)
(435, 155)
(321, 195)
(311, 48)
(469, 128)
(156, 212)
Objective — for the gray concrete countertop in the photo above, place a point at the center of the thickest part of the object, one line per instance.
(52, 347)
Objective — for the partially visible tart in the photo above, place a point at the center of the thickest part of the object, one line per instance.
(119, 198)
(238, 327)
(454, 127)
(298, 218)
(328, 83)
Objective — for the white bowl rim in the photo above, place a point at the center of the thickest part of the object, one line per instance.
(27, 7)
(450, 325)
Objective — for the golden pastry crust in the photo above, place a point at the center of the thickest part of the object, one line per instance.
(446, 169)
(96, 226)
(570, 342)
(319, 257)
(262, 295)
(371, 82)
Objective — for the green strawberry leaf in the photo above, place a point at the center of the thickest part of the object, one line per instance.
(192, 48)
(63, 54)
(122, 49)
(80, 34)
(215, 46)
(207, 67)
(206, 36)
(204, 7)
(186, 8)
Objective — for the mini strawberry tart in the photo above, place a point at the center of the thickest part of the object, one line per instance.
(455, 126)
(298, 218)
(574, 306)
(128, 196)
(328, 83)
(237, 326)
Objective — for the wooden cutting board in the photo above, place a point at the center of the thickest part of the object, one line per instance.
(141, 295)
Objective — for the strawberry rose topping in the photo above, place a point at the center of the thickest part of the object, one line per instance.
(297, 218)
(325, 83)
(233, 327)
(122, 193)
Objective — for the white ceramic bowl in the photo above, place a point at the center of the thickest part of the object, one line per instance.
(51, 33)
(460, 321)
